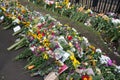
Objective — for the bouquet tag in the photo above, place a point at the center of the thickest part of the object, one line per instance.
(65, 56)
(2, 17)
(16, 21)
(17, 28)
(61, 55)
(89, 71)
(32, 48)
(62, 68)
(61, 39)
(30, 25)
(42, 18)
(58, 53)
(51, 76)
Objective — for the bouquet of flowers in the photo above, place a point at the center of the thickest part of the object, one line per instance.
(54, 50)
(105, 24)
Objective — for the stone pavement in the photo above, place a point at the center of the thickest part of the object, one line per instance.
(10, 69)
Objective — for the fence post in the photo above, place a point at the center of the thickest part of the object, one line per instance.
(105, 6)
(118, 8)
(76, 1)
(110, 5)
(95, 3)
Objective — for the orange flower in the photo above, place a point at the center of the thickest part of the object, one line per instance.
(31, 67)
(81, 9)
(90, 78)
(86, 77)
(23, 11)
(101, 14)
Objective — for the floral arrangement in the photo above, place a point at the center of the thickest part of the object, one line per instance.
(54, 50)
(105, 24)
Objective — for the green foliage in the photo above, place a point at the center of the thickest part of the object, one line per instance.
(24, 54)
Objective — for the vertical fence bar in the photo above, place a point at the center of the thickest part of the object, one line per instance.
(106, 2)
(94, 4)
(99, 6)
(90, 3)
(110, 5)
(118, 8)
(107, 6)
(86, 4)
(112, 8)
(102, 5)
(82, 2)
(115, 5)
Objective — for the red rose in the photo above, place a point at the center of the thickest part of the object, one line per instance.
(69, 38)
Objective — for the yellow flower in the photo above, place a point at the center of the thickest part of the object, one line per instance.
(90, 57)
(93, 62)
(92, 52)
(65, 2)
(75, 62)
(71, 78)
(29, 33)
(73, 59)
(34, 35)
(39, 36)
(3, 8)
(45, 56)
(56, 4)
(98, 71)
(70, 44)
(66, 25)
(27, 24)
(88, 11)
(45, 41)
(47, 44)
(92, 47)
(13, 17)
(106, 18)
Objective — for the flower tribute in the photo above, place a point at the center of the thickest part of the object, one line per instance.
(54, 50)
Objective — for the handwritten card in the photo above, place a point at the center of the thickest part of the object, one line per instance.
(17, 28)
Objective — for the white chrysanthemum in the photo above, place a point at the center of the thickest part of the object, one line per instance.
(118, 68)
(99, 50)
(115, 21)
(104, 59)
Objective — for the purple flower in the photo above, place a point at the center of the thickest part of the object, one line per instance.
(109, 62)
(42, 49)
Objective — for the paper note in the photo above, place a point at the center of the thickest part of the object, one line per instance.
(17, 28)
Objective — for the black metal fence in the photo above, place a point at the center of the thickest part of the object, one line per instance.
(102, 5)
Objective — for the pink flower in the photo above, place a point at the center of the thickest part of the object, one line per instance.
(109, 62)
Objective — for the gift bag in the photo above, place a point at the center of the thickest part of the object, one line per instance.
(51, 76)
